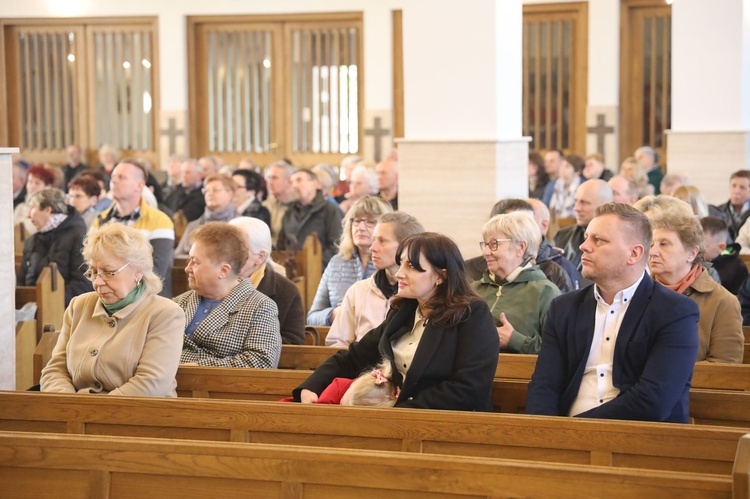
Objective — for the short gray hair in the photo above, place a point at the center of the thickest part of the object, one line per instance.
(518, 226)
(258, 234)
(50, 197)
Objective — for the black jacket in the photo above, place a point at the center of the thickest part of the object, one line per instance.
(725, 213)
(192, 204)
(320, 217)
(257, 210)
(289, 302)
(453, 366)
(732, 270)
(62, 245)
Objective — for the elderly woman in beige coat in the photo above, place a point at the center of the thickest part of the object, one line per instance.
(675, 261)
(121, 339)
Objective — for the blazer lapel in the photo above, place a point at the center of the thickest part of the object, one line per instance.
(219, 317)
(426, 349)
(629, 326)
(584, 328)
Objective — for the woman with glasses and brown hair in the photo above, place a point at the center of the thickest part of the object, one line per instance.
(516, 290)
(121, 339)
(352, 263)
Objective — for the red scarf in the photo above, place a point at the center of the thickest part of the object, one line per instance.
(686, 281)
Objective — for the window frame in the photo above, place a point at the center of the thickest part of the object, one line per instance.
(282, 25)
(85, 128)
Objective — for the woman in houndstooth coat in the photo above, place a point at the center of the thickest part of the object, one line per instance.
(229, 322)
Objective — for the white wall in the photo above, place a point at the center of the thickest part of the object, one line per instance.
(708, 61)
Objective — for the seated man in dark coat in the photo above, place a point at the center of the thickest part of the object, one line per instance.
(310, 214)
(624, 347)
(724, 257)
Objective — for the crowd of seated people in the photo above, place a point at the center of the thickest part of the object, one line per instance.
(389, 288)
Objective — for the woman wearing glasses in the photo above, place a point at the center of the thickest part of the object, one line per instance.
(351, 264)
(122, 339)
(516, 290)
(367, 301)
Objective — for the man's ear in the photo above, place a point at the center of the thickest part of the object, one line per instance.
(722, 246)
(636, 253)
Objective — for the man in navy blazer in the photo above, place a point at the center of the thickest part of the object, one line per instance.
(624, 347)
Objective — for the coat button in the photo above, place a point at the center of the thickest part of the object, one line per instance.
(94, 352)
(98, 385)
(410, 398)
(112, 323)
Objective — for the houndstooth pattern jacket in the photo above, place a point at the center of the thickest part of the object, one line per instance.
(243, 331)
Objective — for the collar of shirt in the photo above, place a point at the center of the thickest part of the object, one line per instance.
(622, 297)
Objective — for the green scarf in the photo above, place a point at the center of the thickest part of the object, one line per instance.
(119, 305)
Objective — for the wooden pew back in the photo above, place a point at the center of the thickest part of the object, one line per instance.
(695, 449)
(43, 352)
(306, 263)
(179, 277)
(304, 357)
(713, 407)
(49, 295)
(45, 465)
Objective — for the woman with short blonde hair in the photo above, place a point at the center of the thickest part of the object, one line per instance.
(352, 262)
(121, 339)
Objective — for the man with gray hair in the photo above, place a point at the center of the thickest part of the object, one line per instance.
(624, 347)
(646, 157)
(624, 190)
(589, 196)
(281, 194)
(188, 197)
(269, 278)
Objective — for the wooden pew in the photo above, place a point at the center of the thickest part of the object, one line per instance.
(62, 466)
(49, 295)
(43, 352)
(316, 335)
(179, 277)
(304, 357)
(306, 263)
(508, 395)
(25, 344)
(621, 444)
(707, 375)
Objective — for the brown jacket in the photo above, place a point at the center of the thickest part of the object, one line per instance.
(720, 323)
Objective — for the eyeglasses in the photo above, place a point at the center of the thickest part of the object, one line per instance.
(493, 243)
(104, 274)
(369, 222)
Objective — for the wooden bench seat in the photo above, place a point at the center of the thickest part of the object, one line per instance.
(687, 448)
(62, 466)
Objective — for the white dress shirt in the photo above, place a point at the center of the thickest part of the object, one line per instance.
(596, 385)
(405, 347)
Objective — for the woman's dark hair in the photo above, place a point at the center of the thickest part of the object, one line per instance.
(450, 304)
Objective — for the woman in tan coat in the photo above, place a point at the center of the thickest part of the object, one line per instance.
(675, 261)
(121, 339)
